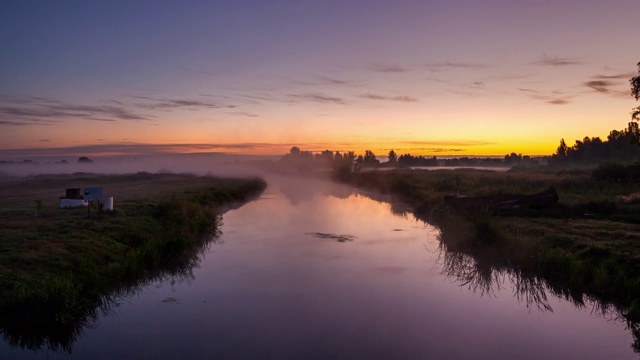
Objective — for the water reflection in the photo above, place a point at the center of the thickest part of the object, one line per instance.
(284, 286)
(480, 277)
(59, 332)
(486, 272)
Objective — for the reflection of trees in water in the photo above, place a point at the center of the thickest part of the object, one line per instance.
(59, 332)
(298, 190)
(485, 273)
(481, 277)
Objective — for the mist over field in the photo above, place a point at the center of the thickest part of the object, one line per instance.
(199, 164)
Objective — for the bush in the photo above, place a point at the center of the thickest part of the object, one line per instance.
(617, 172)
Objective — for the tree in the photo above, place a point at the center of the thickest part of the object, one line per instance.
(84, 160)
(562, 149)
(325, 158)
(393, 158)
(295, 151)
(635, 92)
(370, 159)
(512, 158)
(343, 165)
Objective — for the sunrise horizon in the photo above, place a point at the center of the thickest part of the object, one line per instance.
(424, 78)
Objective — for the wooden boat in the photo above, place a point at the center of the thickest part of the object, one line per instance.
(503, 204)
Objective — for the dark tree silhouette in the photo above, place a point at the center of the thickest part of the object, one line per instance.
(84, 160)
(620, 146)
(512, 159)
(393, 158)
(325, 158)
(295, 151)
(410, 160)
(370, 159)
(635, 92)
(344, 165)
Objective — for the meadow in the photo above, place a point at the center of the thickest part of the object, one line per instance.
(60, 267)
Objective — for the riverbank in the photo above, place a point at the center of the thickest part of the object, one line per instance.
(586, 245)
(59, 267)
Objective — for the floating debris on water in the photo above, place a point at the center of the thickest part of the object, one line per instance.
(170, 300)
(339, 238)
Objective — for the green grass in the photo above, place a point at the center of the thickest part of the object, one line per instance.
(60, 267)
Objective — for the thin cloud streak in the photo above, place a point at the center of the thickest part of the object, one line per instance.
(326, 80)
(388, 68)
(557, 61)
(245, 114)
(449, 143)
(135, 149)
(112, 149)
(600, 86)
(29, 110)
(389, 98)
(625, 76)
(556, 98)
(455, 65)
(606, 87)
(558, 101)
(319, 98)
(171, 104)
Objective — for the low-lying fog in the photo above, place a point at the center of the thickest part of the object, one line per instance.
(200, 164)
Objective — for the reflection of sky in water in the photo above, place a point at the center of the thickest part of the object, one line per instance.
(273, 290)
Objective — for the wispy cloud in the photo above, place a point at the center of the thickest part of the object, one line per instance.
(31, 110)
(330, 80)
(319, 98)
(171, 104)
(558, 101)
(600, 86)
(553, 98)
(111, 149)
(129, 148)
(557, 61)
(388, 98)
(625, 76)
(388, 68)
(240, 113)
(326, 80)
(26, 122)
(477, 85)
(448, 143)
(608, 85)
(455, 65)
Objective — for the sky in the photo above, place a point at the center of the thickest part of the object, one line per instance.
(474, 77)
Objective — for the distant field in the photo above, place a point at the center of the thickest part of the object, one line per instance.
(21, 193)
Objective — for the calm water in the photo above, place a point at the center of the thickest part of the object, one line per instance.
(314, 270)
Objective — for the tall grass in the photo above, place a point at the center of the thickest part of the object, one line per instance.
(52, 288)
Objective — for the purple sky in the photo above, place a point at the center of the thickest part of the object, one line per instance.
(425, 77)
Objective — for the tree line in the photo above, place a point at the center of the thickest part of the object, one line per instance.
(620, 145)
(346, 163)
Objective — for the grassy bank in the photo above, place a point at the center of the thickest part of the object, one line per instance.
(587, 244)
(59, 267)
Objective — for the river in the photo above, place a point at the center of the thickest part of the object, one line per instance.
(315, 270)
